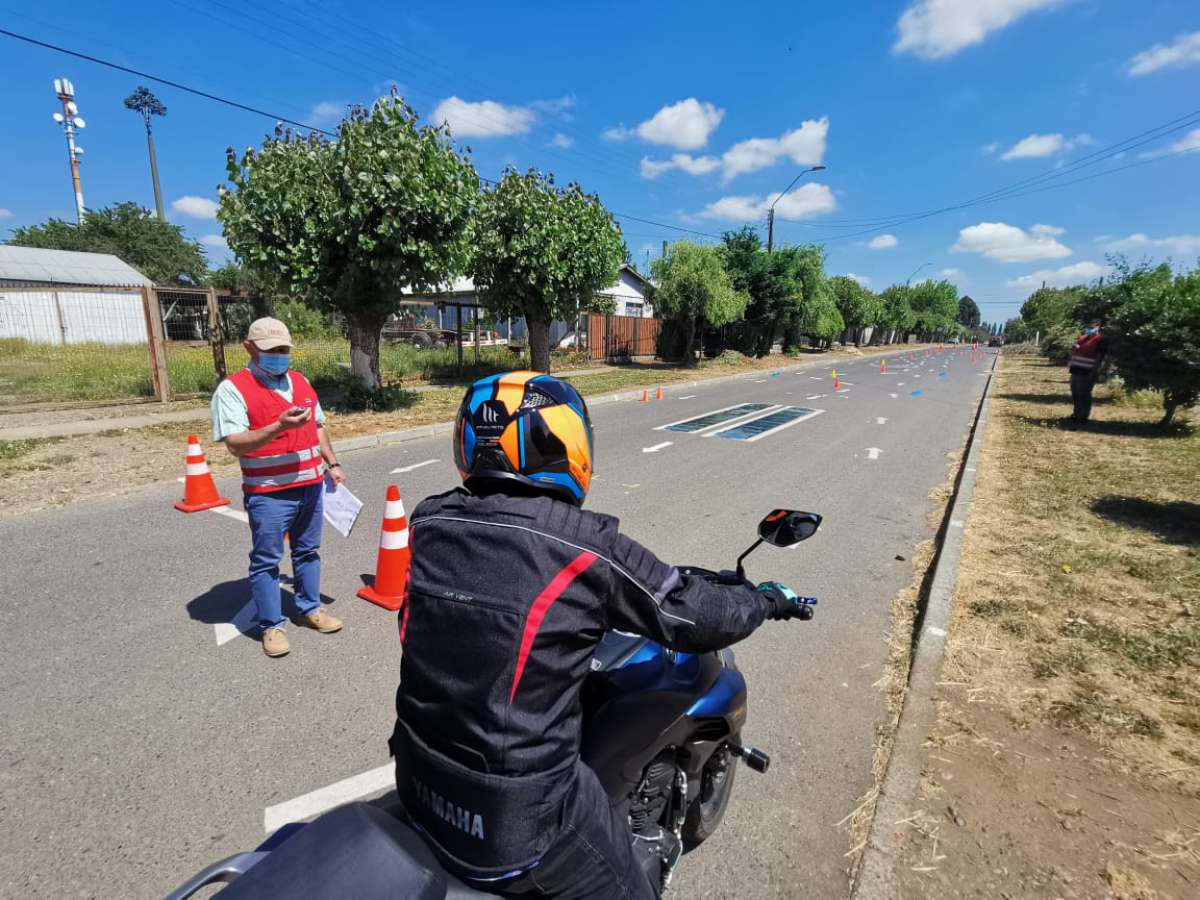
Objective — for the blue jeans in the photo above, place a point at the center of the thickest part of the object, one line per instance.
(296, 511)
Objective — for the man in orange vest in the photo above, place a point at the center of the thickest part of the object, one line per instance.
(270, 419)
(1087, 355)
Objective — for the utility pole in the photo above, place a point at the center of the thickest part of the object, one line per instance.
(914, 274)
(70, 120)
(148, 105)
(771, 209)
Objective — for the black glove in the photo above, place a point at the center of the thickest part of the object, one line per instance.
(785, 604)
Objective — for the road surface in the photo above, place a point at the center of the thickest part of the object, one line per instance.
(146, 736)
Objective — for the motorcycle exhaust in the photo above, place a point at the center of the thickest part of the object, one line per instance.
(754, 758)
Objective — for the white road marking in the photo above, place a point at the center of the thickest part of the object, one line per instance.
(843, 390)
(657, 447)
(817, 377)
(225, 631)
(760, 381)
(323, 799)
(688, 397)
(901, 383)
(881, 420)
(893, 396)
(231, 513)
(873, 452)
(428, 462)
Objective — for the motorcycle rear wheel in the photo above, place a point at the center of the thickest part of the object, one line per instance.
(705, 813)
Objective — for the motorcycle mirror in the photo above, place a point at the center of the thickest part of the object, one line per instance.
(788, 527)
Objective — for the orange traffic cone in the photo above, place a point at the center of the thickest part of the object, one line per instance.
(837, 383)
(199, 491)
(658, 396)
(391, 568)
(645, 397)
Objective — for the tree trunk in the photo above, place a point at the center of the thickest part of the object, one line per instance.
(364, 348)
(539, 344)
(689, 338)
(1169, 407)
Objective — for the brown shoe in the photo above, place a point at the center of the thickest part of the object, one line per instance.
(321, 621)
(275, 642)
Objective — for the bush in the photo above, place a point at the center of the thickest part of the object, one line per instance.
(302, 320)
(1058, 342)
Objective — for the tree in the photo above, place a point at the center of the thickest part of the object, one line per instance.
(155, 248)
(934, 306)
(817, 313)
(232, 276)
(1017, 331)
(897, 315)
(769, 279)
(1050, 308)
(968, 313)
(694, 286)
(1154, 333)
(148, 105)
(351, 223)
(860, 307)
(543, 253)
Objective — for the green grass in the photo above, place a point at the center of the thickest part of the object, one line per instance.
(13, 450)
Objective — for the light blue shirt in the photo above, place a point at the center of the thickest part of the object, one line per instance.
(229, 413)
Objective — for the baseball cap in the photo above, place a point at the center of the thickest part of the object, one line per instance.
(267, 334)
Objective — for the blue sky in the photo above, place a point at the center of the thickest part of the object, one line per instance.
(687, 115)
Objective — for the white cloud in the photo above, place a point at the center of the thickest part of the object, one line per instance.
(1008, 243)
(326, 113)
(216, 241)
(933, 29)
(1186, 144)
(195, 207)
(693, 165)
(806, 201)
(951, 273)
(1078, 273)
(1183, 51)
(559, 106)
(617, 133)
(1039, 145)
(861, 279)
(5, 213)
(1180, 245)
(805, 146)
(562, 140)
(685, 125)
(989, 149)
(883, 242)
(486, 118)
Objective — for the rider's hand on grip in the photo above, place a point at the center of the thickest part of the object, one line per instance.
(785, 603)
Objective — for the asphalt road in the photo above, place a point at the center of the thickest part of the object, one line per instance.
(145, 737)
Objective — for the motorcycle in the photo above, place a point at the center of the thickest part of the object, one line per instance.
(662, 731)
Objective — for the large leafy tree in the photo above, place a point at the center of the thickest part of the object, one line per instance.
(544, 253)
(897, 317)
(1154, 332)
(968, 312)
(934, 306)
(694, 287)
(155, 248)
(351, 223)
(817, 312)
(770, 280)
(1048, 309)
(860, 307)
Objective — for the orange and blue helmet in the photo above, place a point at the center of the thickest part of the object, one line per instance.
(526, 427)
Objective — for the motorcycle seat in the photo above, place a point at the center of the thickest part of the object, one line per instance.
(356, 850)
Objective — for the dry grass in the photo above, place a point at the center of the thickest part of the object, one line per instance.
(1078, 600)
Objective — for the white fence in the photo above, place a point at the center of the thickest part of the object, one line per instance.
(72, 317)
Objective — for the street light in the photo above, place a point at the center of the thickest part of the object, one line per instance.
(918, 269)
(771, 209)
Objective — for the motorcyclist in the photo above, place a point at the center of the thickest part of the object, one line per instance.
(512, 587)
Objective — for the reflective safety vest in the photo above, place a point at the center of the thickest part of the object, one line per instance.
(1086, 352)
(293, 457)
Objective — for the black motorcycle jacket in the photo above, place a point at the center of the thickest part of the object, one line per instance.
(509, 597)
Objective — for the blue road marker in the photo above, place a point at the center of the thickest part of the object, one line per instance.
(918, 392)
(942, 375)
(774, 374)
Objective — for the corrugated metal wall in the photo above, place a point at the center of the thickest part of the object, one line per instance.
(69, 317)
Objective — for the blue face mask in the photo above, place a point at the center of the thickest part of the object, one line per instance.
(1090, 331)
(274, 363)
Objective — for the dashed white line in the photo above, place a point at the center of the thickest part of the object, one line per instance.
(323, 799)
(428, 462)
(231, 513)
(688, 397)
(657, 447)
(873, 452)
(881, 420)
(225, 632)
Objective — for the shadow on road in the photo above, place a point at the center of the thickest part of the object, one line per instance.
(230, 602)
(1176, 522)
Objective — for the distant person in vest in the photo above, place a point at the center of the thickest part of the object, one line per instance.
(269, 417)
(1084, 364)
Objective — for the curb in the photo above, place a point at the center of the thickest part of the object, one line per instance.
(420, 432)
(875, 879)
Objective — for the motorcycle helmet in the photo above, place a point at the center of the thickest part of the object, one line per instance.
(525, 427)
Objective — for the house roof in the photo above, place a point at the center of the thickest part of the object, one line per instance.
(67, 267)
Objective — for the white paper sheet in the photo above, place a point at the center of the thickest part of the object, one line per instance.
(341, 507)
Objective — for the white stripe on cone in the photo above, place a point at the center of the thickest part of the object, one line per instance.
(393, 540)
(394, 509)
(200, 468)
